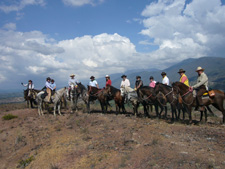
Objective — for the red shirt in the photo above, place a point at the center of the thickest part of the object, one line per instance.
(109, 82)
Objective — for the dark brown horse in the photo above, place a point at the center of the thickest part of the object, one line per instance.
(147, 97)
(170, 95)
(30, 96)
(190, 101)
(115, 94)
(94, 94)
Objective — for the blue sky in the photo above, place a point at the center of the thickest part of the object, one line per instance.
(41, 38)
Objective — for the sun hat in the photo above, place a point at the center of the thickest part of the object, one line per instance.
(107, 76)
(72, 75)
(92, 77)
(181, 71)
(199, 69)
(163, 73)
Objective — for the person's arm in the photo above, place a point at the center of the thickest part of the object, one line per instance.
(141, 82)
(203, 80)
(48, 86)
(25, 85)
(32, 87)
(128, 83)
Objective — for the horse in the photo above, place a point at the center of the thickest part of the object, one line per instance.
(56, 100)
(190, 101)
(30, 96)
(170, 95)
(95, 93)
(115, 94)
(133, 98)
(147, 97)
(74, 94)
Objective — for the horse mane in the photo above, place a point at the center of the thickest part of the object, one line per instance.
(158, 83)
(181, 85)
(113, 89)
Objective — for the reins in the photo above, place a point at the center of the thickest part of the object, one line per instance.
(185, 94)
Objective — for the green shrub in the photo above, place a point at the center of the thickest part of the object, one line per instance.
(9, 117)
(26, 162)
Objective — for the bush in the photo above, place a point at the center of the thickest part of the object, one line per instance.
(24, 163)
(9, 117)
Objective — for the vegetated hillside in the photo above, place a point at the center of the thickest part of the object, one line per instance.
(107, 141)
(214, 68)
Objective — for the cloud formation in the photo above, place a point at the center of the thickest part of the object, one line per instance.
(82, 2)
(19, 5)
(185, 30)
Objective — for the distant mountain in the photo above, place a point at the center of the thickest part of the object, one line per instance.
(214, 68)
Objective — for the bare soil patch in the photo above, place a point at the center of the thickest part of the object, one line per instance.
(99, 140)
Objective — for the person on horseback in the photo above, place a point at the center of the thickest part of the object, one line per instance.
(48, 88)
(125, 87)
(93, 82)
(152, 82)
(138, 83)
(165, 79)
(71, 81)
(108, 81)
(183, 77)
(201, 86)
(29, 86)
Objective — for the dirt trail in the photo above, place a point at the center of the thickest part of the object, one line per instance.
(107, 141)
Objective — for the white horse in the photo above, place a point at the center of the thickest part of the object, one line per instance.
(56, 99)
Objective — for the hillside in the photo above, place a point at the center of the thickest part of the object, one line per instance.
(214, 68)
(107, 141)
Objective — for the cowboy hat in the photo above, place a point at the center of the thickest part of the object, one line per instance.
(123, 76)
(138, 77)
(107, 76)
(48, 78)
(181, 71)
(92, 77)
(199, 69)
(72, 75)
(163, 73)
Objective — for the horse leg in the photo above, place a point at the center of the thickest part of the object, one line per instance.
(205, 115)
(54, 109)
(59, 109)
(165, 116)
(220, 108)
(201, 115)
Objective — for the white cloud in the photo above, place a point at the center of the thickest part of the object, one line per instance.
(19, 5)
(10, 26)
(82, 2)
(180, 31)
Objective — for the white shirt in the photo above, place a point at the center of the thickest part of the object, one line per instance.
(165, 80)
(93, 83)
(125, 83)
(30, 86)
(74, 81)
(48, 85)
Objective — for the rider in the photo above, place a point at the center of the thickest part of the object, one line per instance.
(48, 88)
(125, 87)
(183, 77)
(152, 82)
(53, 85)
(138, 83)
(93, 82)
(108, 81)
(29, 86)
(201, 87)
(165, 79)
(71, 81)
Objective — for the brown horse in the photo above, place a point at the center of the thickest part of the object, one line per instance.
(170, 95)
(115, 94)
(190, 101)
(30, 96)
(94, 94)
(147, 97)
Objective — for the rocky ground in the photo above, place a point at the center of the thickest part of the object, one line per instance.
(99, 140)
